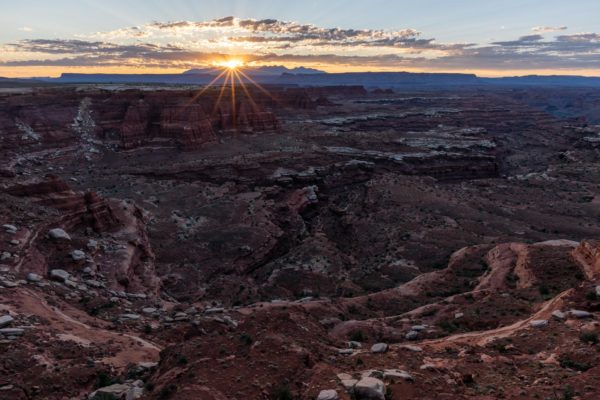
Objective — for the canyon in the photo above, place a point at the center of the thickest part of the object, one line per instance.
(286, 242)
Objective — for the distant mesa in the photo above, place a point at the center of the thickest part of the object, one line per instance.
(267, 70)
(307, 77)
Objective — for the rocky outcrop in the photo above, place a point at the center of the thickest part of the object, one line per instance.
(587, 254)
(187, 125)
(77, 208)
(245, 116)
(302, 198)
(48, 186)
(128, 119)
(134, 129)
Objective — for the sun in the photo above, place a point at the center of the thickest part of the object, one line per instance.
(231, 64)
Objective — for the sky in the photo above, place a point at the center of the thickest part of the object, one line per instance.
(489, 38)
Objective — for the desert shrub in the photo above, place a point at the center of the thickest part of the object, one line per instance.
(104, 379)
(182, 360)
(282, 393)
(566, 362)
(246, 339)
(448, 326)
(357, 336)
(352, 309)
(167, 391)
(389, 395)
(589, 337)
(591, 296)
(568, 393)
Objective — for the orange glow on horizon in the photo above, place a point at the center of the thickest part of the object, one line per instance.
(37, 71)
(231, 64)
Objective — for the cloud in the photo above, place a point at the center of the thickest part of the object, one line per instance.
(26, 29)
(58, 46)
(236, 31)
(187, 44)
(522, 41)
(548, 29)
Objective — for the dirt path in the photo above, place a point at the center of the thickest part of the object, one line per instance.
(481, 338)
(75, 325)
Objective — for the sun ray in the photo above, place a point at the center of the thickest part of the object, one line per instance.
(252, 81)
(222, 91)
(233, 111)
(208, 85)
(231, 73)
(201, 92)
(255, 107)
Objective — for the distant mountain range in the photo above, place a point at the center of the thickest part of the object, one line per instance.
(266, 70)
(301, 76)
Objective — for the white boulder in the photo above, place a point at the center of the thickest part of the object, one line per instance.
(58, 233)
(370, 388)
(328, 395)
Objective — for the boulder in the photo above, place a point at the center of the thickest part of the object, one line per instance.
(9, 228)
(230, 321)
(134, 393)
(12, 331)
(370, 388)
(418, 328)
(328, 395)
(8, 284)
(136, 295)
(117, 391)
(349, 384)
(397, 374)
(131, 317)
(559, 315)
(580, 314)
(412, 335)
(70, 283)
(5, 320)
(344, 376)
(58, 234)
(147, 365)
(539, 323)
(94, 283)
(77, 255)
(59, 275)
(379, 348)
(410, 347)
(192, 311)
(31, 277)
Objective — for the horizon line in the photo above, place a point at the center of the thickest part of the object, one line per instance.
(538, 73)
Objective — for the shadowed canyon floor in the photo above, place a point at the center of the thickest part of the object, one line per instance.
(287, 243)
